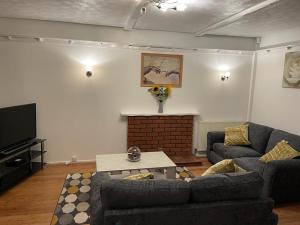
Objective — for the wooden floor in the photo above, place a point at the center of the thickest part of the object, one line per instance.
(32, 202)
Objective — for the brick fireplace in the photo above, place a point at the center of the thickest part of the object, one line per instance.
(172, 134)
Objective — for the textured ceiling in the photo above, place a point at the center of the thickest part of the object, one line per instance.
(199, 14)
(98, 12)
(282, 16)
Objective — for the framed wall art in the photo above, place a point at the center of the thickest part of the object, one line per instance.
(291, 74)
(161, 69)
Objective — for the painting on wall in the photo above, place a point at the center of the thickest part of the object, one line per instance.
(161, 69)
(291, 75)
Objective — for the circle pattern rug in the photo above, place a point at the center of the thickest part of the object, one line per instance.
(73, 206)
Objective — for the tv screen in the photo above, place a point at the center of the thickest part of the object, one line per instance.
(17, 125)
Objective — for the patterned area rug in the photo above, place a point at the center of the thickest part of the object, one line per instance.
(73, 204)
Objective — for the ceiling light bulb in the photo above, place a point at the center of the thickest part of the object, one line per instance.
(181, 7)
(164, 7)
(227, 74)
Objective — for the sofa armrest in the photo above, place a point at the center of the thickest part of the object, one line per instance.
(214, 137)
(282, 180)
(96, 208)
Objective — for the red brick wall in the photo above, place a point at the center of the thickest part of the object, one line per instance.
(171, 134)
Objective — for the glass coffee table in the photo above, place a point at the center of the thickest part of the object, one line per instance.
(149, 160)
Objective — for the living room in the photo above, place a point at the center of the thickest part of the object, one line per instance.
(87, 87)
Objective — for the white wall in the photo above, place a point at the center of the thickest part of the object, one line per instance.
(81, 116)
(273, 105)
(284, 37)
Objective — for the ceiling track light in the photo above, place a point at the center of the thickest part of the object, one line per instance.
(163, 8)
(38, 39)
(165, 5)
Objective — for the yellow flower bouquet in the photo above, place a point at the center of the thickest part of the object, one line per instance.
(161, 93)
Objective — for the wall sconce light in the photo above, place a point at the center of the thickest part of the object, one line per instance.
(225, 76)
(88, 63)
(89, 72)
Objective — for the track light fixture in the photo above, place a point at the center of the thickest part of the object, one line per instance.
(165, 5)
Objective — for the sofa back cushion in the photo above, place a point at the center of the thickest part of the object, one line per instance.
(279, 135)
(230, 186)
(259, 136)
(126, 194)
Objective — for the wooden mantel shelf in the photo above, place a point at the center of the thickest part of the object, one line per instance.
(128, 114)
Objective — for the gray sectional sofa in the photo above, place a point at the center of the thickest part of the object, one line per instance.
(281, 177)
(225, 199)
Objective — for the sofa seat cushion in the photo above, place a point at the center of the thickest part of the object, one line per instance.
(279, 135)
(259, 136)
(230, 186)
(231, 152)
(126, 194)
(250, 164)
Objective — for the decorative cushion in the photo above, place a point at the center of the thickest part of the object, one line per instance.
(225, 166)
(259, 136)
(237, 135)
(141, 176)
(230, 186)
(279, 135)
(281, 151)
(127, 194)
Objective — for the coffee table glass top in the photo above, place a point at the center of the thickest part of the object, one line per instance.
(119, 162)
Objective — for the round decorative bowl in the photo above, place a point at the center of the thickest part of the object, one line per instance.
(134, 154)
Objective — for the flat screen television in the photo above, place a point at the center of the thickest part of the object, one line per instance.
(17, 125)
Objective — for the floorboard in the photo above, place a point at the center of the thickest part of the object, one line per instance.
(32, 201)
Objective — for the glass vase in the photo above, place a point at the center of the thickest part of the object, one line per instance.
(160, 106)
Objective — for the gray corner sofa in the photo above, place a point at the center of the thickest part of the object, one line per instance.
(225, 199)
(281, 177)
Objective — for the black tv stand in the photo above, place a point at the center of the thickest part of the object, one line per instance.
(21, 161)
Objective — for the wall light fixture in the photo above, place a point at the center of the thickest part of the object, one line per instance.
(89, 72)
(225, 76)
(88, 63)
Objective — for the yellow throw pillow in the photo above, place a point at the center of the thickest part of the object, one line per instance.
(140, 176)
(225, 166)
(237, 135)
(281, 151)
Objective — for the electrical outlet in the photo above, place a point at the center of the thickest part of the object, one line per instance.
(74, 158)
